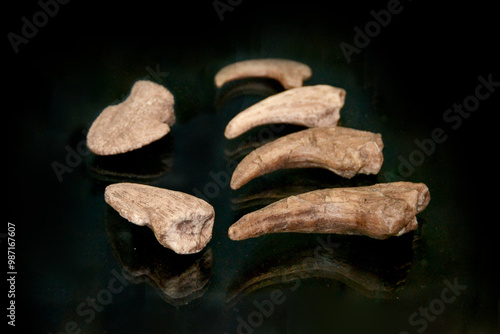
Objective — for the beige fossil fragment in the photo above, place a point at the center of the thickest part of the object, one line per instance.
(289, 73)
(378, 211)
(179, 221)
(309, 106)
(144, 117)
(341, 150)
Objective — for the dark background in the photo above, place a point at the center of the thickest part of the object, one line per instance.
(89, 54)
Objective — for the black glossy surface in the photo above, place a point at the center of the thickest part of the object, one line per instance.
(71, 247)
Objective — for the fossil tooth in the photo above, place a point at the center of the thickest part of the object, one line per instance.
(341, 150)
(378, 211)
(289, 73)
(179, 221)
(144, 117)
(309, 106)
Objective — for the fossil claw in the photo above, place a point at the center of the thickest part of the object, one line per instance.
(289, 73)
(341, 150)
(309, 106)
(378, 211)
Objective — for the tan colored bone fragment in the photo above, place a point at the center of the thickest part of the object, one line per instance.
(289, 73)
(378, 211)
(309, 106)
(341, 150)
(144, 117)
(179, 221)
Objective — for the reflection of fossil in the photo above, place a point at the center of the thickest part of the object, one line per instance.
(146, 165)
(179, 279)
(182, 288)
(289, 73)
(253, 139)
(343, 151)
(377, 274)
(280, 185)
(378, 211)
(254, 87)
(290, 184)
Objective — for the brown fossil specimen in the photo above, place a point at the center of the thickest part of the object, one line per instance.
(343, 151)
(144, 117)
(179, 221)
(289, 73)
(309, 106)
(378, 211)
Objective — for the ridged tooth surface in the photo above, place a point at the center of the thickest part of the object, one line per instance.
(341, 150)
(378, 211)
(309, 106)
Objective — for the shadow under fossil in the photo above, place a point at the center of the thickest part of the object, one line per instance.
(280, 184)
(179, 279)
(373, 268)
(258, 87)
(146, 164)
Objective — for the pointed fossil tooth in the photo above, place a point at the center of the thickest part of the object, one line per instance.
(341, 150)
(144, 117)
(378, 211)
(310, 106)
(289, 73)
(179, 221)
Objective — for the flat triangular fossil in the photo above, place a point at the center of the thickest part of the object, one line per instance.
(144, 117)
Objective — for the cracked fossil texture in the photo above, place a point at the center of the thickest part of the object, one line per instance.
(289, 73)
(341, 150)
(144, 117)
(309, 106)
(179, 221)
(378, 211)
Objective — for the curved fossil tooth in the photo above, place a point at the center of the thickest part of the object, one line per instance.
(289, 73)
(378, 211)
(144, 117)
(343, 151)
(179, 221)
(309, 106)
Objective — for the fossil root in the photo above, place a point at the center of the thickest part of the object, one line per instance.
(289, 73)
(341, 150)
(179, 221)
(144, 117)
(378, 211)
(309, 106)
